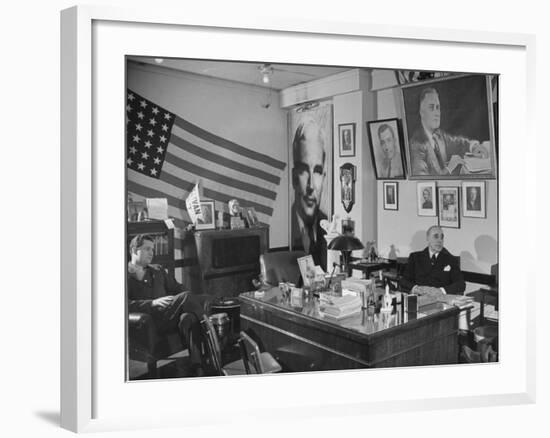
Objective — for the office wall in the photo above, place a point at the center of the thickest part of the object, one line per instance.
(229, 109)
(403, 231)
(355, 107)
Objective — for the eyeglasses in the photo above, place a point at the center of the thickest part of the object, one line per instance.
(438, 236)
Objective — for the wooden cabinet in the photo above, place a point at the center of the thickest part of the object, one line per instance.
(227, 260)
(163, 241)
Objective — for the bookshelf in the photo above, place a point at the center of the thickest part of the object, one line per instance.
(163, 241)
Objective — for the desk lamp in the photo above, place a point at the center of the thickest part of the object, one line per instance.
(345, 244)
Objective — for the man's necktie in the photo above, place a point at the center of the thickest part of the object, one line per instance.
(434, 259)
(310, 236)
(388, 163)
(438, 153)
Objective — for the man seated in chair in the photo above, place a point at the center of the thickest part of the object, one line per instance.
(433, 270)
(153, 291)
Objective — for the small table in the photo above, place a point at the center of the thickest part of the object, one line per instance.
(301, 339)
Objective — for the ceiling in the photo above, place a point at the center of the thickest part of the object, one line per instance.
(284, 75)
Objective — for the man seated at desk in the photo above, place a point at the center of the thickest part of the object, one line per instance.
(433, 270)
(153, 291)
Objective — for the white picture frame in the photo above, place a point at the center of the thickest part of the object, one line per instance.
(426, 198)
(448, 207)
(94, 396)
(391, 195)
(474, 203)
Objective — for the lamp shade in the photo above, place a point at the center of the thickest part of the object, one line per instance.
(345, 243)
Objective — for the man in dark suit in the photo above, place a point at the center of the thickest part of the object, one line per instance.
(153, 291)
(433, 270)
(308, 176)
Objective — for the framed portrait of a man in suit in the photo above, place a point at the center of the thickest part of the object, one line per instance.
(386, 140)
(473, 199)
(426, 198)
(449, 128)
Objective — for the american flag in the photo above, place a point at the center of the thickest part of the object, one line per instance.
(167, 155)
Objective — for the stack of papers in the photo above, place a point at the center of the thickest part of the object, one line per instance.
(356, 285)
(340, 307)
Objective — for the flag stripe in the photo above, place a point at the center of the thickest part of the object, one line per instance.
(220, 170)
(234, 147)
(175, 191)
(221, 179)
(180, 216)
(221, 152)
(173, 188)
(212, 192)
(222, 197)
(223, 161)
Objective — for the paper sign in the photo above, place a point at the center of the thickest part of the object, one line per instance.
(193, 204)
(157, 208)
(169, 224)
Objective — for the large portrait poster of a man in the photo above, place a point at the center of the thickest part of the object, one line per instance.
(310, 158)
(449, 128)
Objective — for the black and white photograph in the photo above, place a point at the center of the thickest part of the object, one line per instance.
(346, 135)
(449, 207)
(391, 200)
(310, 165)
(240, 299)
(386, 142)
(207, 219)
(473, 199)
(450, 128)
(426, 198)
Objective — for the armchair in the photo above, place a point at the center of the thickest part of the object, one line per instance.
(280, 266)
(146, 345)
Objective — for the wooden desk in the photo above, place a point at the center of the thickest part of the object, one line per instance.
(302, 340)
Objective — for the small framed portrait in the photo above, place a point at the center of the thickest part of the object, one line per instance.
(449, 207)
(473, 199)
(426, 198)
(207, 219)
(307, 269)
(251, 216)
(386, 145)
(391, 196)
(346, 134)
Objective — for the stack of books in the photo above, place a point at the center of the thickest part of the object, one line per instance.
(340, 307)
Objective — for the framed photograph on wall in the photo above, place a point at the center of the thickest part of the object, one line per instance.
(386, 146)
(473, 199)
(426, 199)
(449, 128)
(391, 196)
(207, 222)
(346, 136)
(449, 207)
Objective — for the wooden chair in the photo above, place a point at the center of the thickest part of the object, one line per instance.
(214, 353)
(251, 362)
(254, 361)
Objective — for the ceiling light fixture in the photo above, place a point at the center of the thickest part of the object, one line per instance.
(266, 71)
